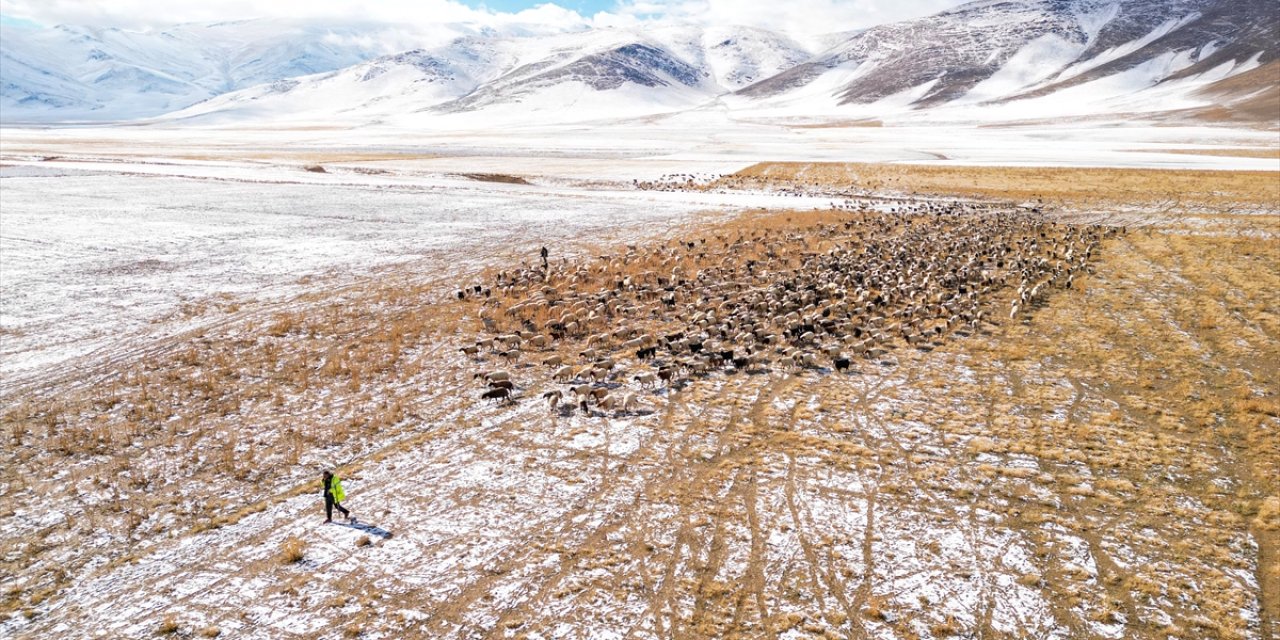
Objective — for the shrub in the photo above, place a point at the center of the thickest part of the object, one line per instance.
(292, 550)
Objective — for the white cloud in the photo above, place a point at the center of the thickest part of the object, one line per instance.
(138, 14)
(800, 17)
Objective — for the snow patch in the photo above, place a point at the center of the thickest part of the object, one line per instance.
(1034, 62)
(1115, 53)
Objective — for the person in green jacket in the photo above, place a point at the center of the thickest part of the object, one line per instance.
(333, 496)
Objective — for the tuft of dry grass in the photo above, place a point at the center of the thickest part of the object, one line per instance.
(877, 609)
(946, 628)
(1268, 518)
(292, 550)
(168, 625)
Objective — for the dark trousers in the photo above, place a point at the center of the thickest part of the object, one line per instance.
(329, 504)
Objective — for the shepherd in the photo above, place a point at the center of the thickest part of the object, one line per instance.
(333, 496)
(545, 253)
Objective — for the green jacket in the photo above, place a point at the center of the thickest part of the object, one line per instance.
(335, 489)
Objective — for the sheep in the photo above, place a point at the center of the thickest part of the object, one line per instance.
(499, 394)
(635, 343)
(563, 374)
(581, 392)
(609, 403)
(873, 283)
(553, 399)
(631, 402)
(593, 394)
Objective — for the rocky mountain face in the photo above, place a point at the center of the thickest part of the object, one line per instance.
(999, 50)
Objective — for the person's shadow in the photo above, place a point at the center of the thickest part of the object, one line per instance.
(370, 529)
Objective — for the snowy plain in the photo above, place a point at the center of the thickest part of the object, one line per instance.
(114, 238)
(116, 231)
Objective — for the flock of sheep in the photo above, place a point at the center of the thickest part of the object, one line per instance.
(678, 182)
(824, 294)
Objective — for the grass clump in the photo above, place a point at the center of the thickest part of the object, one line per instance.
(292, 550)
(168, 625)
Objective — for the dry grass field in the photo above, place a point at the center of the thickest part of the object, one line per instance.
(1175, 192)
(1106, 465)
(1235, 153)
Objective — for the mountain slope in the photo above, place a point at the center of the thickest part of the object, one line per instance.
(77, 72)
(594, 65)
(1235, 34)
(577, 75)
(278, 66)
(985, 60)
(999, 51)
(403, 82)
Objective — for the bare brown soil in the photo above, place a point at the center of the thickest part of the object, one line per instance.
(496, 177)
(1252, 96)
(1106, 466)
(841, 124)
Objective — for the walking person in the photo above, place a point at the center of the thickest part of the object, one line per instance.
(544, 253)
(333, 496)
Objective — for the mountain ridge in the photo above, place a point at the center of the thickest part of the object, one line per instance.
(984, 59)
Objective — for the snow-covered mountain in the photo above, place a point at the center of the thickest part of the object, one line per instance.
(989, 59)
(563, 76)
(68, 72)
(1002, 51)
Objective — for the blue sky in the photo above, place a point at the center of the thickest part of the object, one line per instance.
(10, 21)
